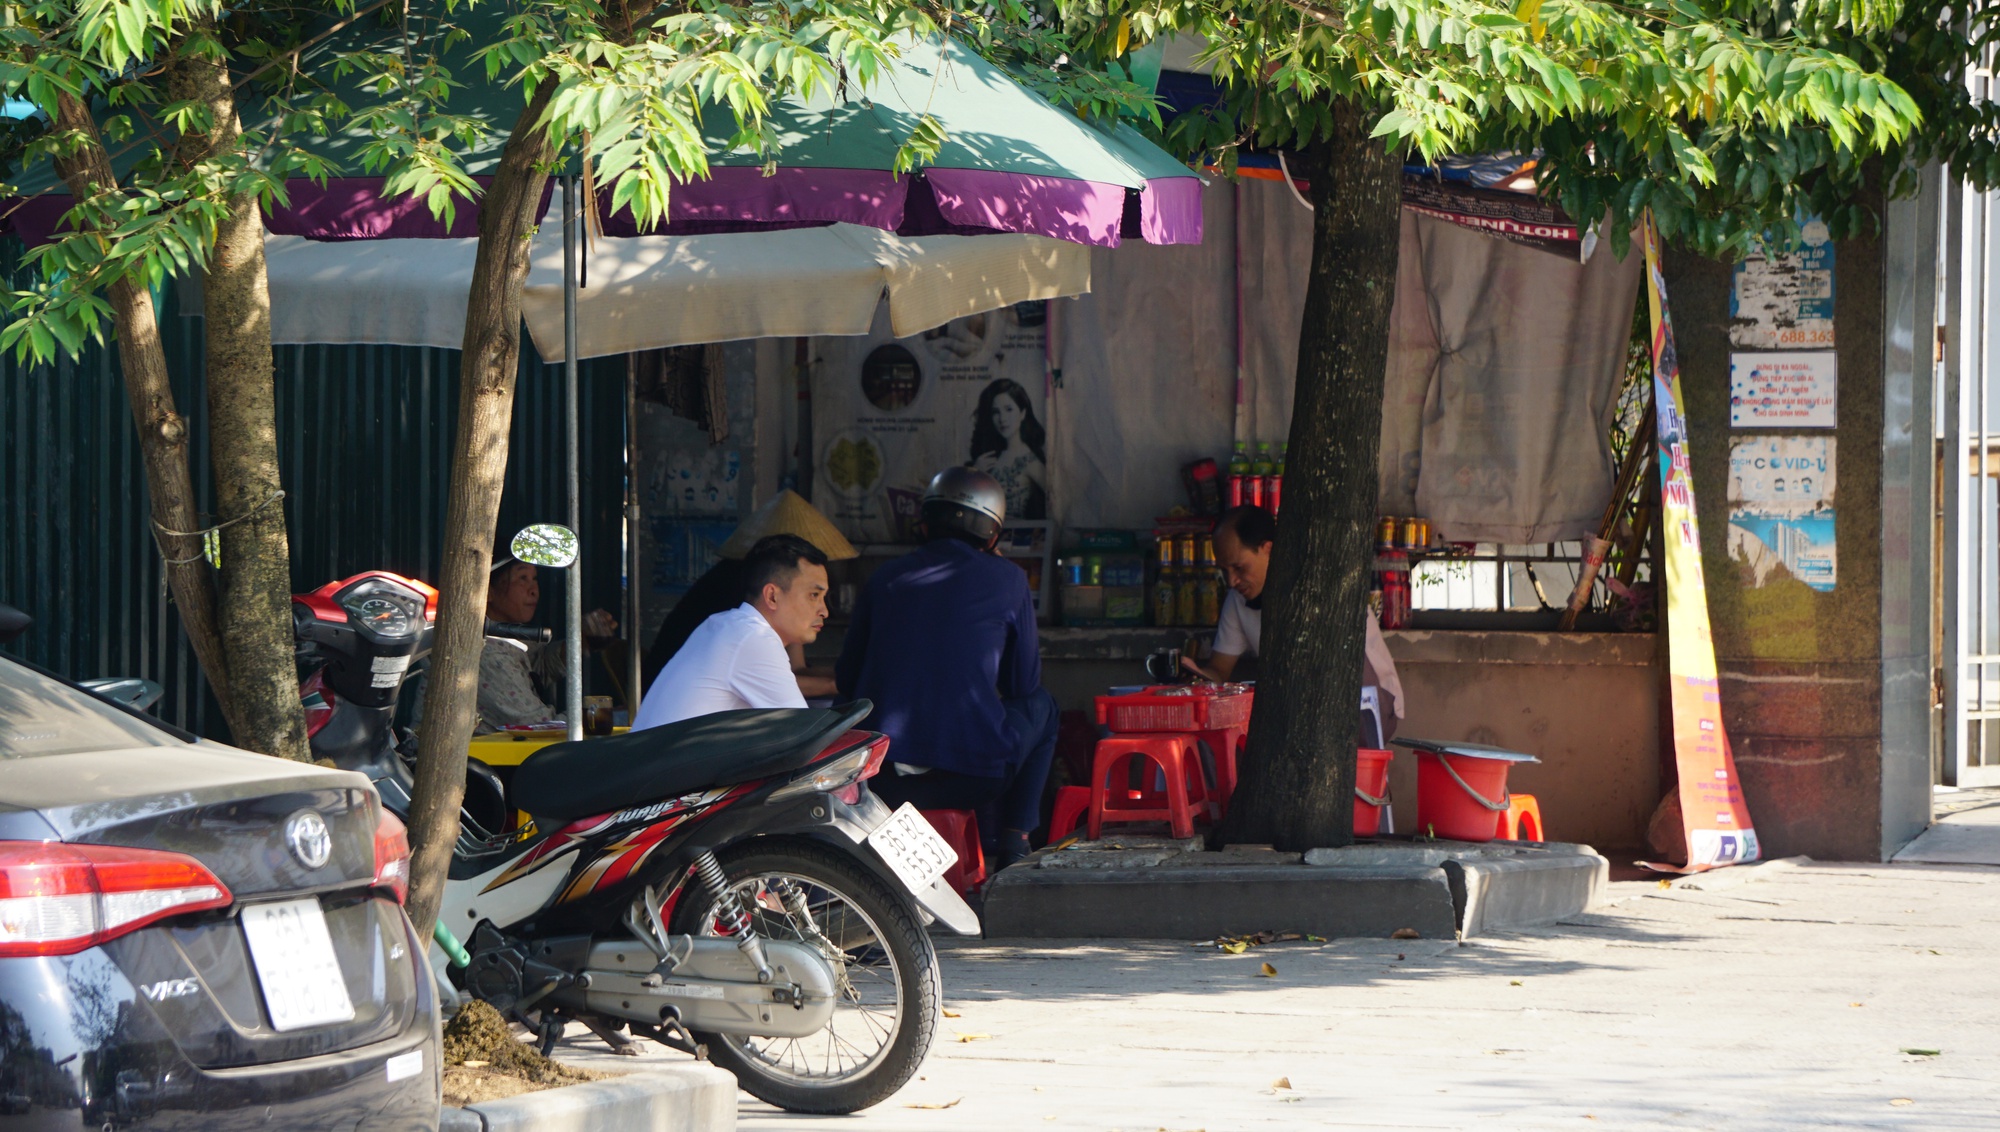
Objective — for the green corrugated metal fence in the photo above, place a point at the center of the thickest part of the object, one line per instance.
(365, 435)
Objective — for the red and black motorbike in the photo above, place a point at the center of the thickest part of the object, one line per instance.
(727, 882)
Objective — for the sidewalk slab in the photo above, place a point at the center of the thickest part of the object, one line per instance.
(1970, 836)
(694, 1097)
(1142, 888)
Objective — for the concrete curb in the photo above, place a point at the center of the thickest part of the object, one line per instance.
(682, 1098)
(1151, 888)
(1492, 894)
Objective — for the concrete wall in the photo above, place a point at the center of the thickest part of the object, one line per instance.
(1585, 704)
(1804, 672)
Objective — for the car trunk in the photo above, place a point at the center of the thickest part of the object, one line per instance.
(196, 974)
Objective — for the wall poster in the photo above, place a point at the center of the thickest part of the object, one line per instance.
(1795, 389)
(1785, 301)
(1713, 814)
(889, 413)
(1781, 508)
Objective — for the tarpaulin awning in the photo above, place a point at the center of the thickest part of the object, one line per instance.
(648, 292)
(1011, 162)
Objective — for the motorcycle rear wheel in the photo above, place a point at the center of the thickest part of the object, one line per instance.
(893, 991)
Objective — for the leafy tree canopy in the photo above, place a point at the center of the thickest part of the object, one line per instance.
(1728, 119)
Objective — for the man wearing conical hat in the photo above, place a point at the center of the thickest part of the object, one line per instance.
(721, 588)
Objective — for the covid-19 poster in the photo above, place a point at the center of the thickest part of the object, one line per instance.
(888, 413)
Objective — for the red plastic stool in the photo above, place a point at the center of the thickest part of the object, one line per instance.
(1522, 820)
(961, 829)
(1179, 762)
(1072, 802)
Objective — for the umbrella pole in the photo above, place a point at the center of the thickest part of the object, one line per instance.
(573, 580)
(633, 673)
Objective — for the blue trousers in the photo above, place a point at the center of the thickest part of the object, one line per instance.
(1012, 800)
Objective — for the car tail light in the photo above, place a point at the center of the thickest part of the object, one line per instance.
(58, 898)
(392, 854)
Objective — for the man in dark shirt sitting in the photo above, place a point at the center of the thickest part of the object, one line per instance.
(943, 642)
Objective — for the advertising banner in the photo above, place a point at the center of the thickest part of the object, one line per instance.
(1781, 509)
(1520, 217)
(889, 413)
(1713, 815)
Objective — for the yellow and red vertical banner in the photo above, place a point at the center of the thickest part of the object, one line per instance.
(1713, 815)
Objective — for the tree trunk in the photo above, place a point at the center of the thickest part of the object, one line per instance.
(256, 603)
(1297, 787)
(478, 469)
(163, 432)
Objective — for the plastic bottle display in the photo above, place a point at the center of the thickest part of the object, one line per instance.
(1239, 474)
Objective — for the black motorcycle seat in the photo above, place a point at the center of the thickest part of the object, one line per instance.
(566, 781)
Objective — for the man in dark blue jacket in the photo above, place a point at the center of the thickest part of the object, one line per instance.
(943, 642)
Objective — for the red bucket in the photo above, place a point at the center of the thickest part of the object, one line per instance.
(1461, 788)
(1371, 790)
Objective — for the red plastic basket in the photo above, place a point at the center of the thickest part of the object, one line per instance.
(1174, 707)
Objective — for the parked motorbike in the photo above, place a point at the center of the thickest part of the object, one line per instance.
(726, 885)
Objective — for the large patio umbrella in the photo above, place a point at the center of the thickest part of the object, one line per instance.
(1013, 164)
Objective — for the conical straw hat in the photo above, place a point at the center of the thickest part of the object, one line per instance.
(788, 513)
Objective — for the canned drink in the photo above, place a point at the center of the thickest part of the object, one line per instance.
(1423, 534)
(1412, 529)
(1186, 551)
(1385, 533)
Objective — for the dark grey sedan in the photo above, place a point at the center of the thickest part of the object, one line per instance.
(195, 937)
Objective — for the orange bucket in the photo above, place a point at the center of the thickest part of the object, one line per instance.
(1461, 788)
(1371, 790)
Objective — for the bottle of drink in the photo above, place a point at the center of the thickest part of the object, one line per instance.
(1274, 484)
(1188, 606)
(1239, 474)
(1260, 475)
(1166, 597)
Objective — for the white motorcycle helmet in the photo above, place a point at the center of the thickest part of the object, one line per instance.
(965, 502)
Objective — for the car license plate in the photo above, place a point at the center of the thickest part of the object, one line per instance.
(296, 965)
(912, 848)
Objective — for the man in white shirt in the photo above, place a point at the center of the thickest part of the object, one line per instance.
(738, 658)
(1243, 540)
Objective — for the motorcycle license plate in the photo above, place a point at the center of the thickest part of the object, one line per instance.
(296, 966)
(913, 850)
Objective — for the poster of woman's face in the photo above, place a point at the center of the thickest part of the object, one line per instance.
(1008, 443)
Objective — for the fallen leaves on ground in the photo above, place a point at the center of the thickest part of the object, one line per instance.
(1900, 1101)
(1513, 982)
(1268, 971)
(936, 1104)
(951, 1014)
(974, 1037)
(1406, 933)
(1282, 1083)
(1923, 1052)
(1238, 944)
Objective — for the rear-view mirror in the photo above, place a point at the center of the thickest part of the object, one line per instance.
(545, 544)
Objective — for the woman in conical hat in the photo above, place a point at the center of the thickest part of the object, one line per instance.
(721, 588)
